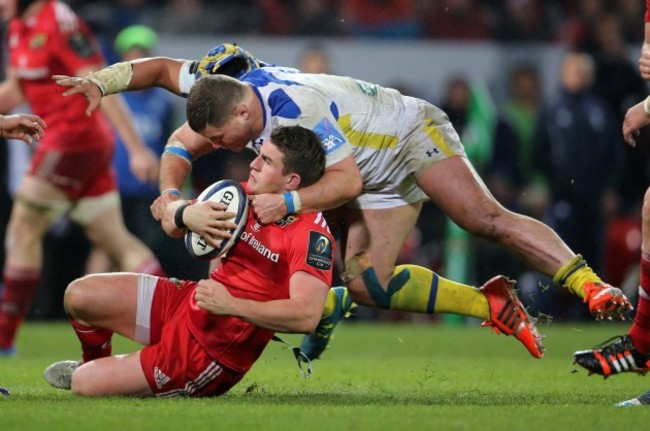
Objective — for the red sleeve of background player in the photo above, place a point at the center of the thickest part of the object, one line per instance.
(647, 10)
(77, 47)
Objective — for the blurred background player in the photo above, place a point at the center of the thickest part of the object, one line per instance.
(154, 114)
(70, 170)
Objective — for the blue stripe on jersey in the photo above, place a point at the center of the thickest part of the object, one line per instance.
(262, 78)
(334, 110)
(282, 105)
(329, 136)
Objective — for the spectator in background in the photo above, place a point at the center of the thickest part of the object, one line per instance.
(576, 148)
(510, 174)
(153, 113)
(314, 59)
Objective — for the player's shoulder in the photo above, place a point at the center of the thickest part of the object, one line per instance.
(66, 20)
(305, 221)
(272, 75)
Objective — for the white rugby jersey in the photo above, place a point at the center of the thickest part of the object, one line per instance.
(350, 116)
(391, 136)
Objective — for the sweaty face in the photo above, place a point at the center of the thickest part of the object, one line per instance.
(266, 171)
(234, 135)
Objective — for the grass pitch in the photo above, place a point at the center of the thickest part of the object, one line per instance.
(374, 377)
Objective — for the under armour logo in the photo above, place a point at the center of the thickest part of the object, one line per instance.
(431, 153)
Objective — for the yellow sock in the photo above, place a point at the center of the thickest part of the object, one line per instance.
(427, 292)
(574, 274)
(330, 303)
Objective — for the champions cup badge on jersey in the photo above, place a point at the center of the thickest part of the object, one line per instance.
(38, 40)
(319, 254)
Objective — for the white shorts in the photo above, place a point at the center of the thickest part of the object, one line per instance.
(389, 173)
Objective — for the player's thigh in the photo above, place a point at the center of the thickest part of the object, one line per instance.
(457, 189)
(381, 233)
(106, 301)
(114, 375)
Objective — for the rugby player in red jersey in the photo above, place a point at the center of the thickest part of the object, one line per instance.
(201, 338)
(71, 168)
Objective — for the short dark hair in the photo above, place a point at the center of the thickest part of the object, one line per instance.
(212, 100)
(303, 152)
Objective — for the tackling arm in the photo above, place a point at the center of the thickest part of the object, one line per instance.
(125, 76)
(298, 314)
(184, 145)
(340, 183)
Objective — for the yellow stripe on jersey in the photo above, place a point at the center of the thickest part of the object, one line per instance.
(361, 139)
(432, 130)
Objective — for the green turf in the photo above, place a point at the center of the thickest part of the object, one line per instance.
(374, 377)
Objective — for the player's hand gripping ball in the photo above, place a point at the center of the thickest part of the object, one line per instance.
(232, 194)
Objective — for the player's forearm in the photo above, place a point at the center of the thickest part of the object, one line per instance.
(285, 315)
(169, 222)
(137, 75)
(334, 189)
(174, 171)
(156, 72)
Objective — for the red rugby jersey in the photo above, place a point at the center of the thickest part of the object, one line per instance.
(57, 42)
(259, 267)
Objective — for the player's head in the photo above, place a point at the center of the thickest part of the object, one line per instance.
(220, 109)
(226, 59)
(303, 152)
(293, 157)
(212, 100)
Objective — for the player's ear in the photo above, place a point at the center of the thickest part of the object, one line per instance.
(293, 181)
(242, 110)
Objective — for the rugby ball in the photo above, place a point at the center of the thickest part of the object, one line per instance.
(232, 194)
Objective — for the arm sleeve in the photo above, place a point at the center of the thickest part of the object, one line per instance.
(311, 249)
(186, 77)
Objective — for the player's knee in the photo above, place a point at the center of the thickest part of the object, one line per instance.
(83, 383)
(78, 296)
